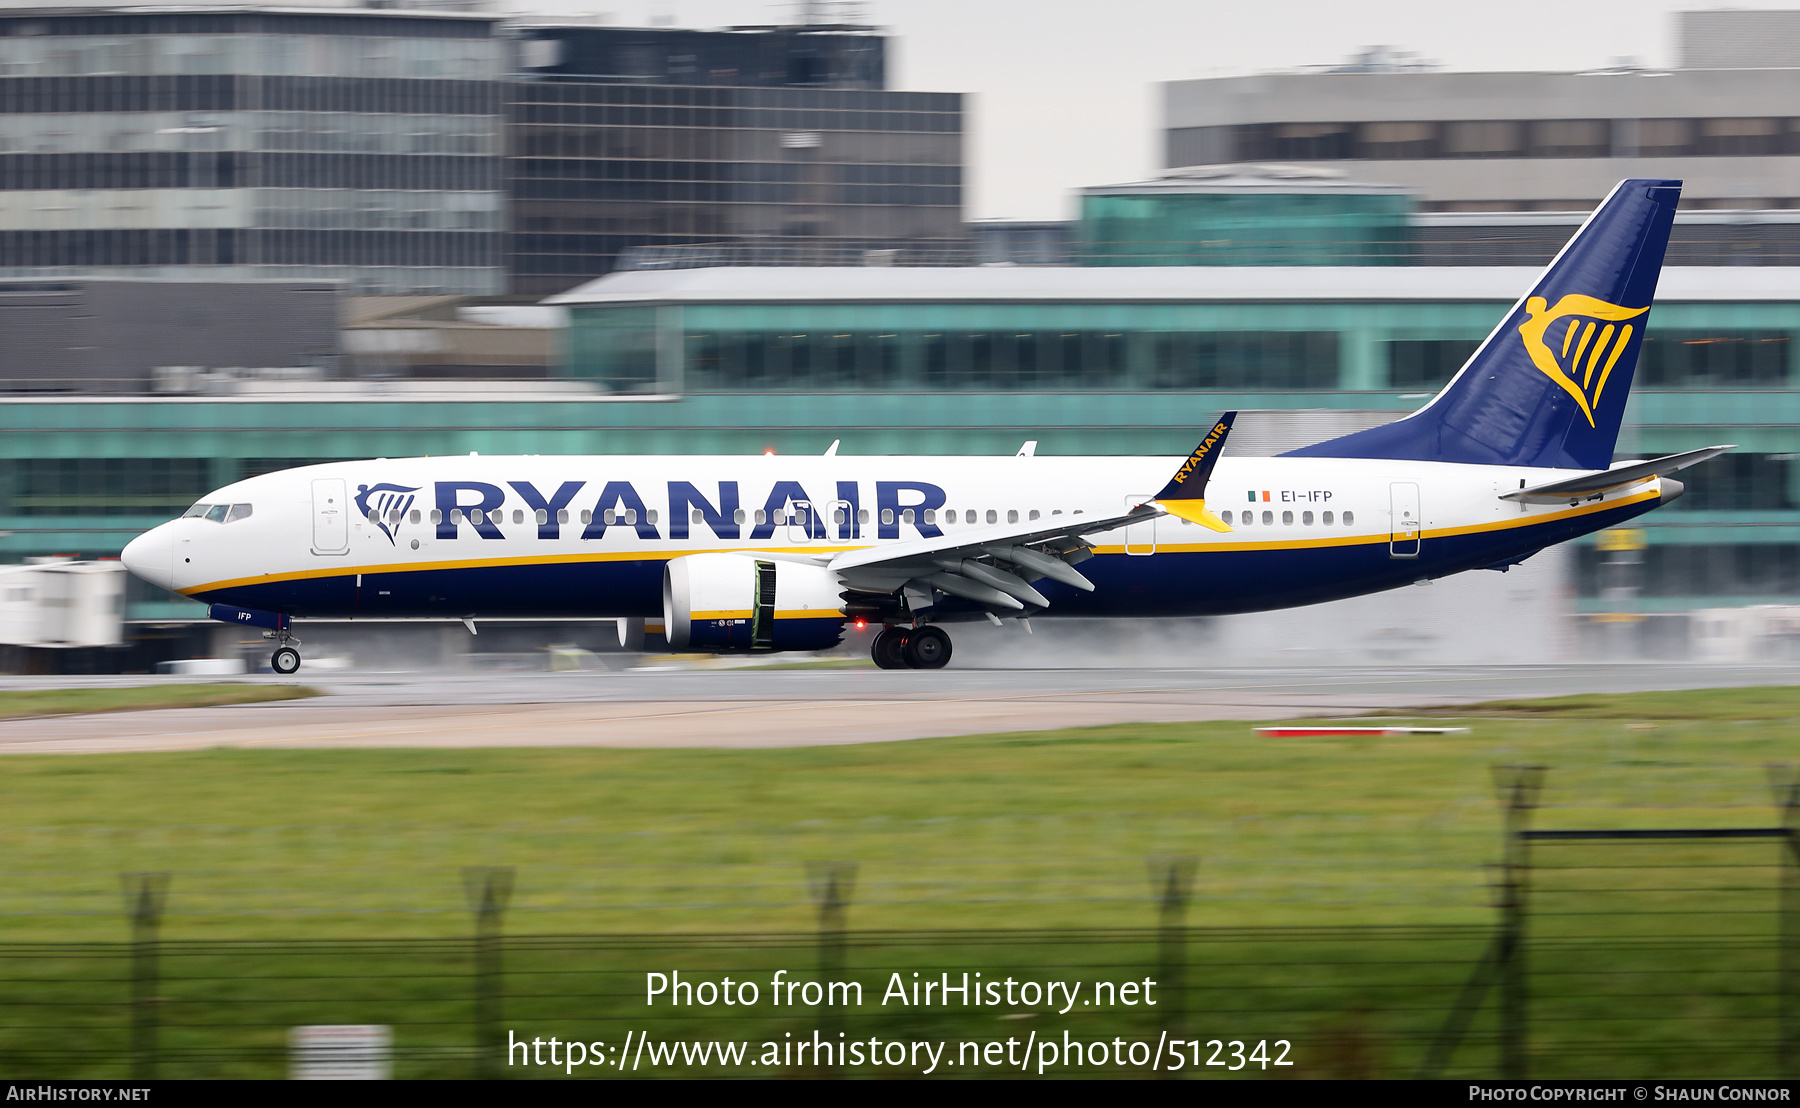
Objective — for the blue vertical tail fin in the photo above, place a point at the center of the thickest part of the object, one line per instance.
(1548, 386)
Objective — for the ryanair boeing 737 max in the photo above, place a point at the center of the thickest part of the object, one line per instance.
(780, 553)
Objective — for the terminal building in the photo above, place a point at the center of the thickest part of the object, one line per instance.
(1103, 360)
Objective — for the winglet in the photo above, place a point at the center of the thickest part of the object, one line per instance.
(1185, 494)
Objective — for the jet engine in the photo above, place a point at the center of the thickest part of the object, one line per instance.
(740, 603)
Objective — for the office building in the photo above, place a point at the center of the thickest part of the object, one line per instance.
(242, 143)
(1727, 122)
(773, 139)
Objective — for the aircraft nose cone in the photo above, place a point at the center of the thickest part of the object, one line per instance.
(151, 556)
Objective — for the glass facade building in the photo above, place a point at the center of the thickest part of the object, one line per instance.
(598, 169)
(361, 146)
(1227, 219)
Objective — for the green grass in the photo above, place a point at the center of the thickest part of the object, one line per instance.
(1349, 835)
(25, 703)
(1038, 829)
(1768, 702)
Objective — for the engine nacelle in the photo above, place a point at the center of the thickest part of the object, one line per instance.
(739, 602)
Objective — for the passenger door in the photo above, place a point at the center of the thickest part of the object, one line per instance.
(1406, 525)
(331, 517)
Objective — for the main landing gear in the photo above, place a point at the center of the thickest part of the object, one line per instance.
(925, 647)
(285, 660)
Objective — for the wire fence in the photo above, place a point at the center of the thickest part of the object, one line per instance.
(1649, 948)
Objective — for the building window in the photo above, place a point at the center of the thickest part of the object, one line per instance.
(1427, 363)
(1739, 483)
(1714, 359)
(153, 487)
(1397, 140)
(1571, 138)
(1483, 138)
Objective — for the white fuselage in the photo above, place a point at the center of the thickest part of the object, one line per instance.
(397, 538)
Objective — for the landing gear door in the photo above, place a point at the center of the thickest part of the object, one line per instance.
(331, 517)
(1140, 538)
(1403, 541)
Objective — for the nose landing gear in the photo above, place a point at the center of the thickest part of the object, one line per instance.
(925, 647)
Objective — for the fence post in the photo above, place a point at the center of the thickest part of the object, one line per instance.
(1172, 881)
(487, 890)
(1786, 780)
(1518, 787)
(831, 884)
(145, 894)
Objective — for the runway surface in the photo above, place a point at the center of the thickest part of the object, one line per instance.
(773, 708)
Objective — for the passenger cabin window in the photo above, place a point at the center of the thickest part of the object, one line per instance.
(562, 515)
(1306, 518)
(217, 512)
(476, 517)
(607, 517)
(631, 515)
(437, 516)
(1034, 514)
(1326, 519)
(1226, 516)
(993, 516)
(906, 515)
(862, 516)
(238, 511)
(456, 515)
(651, 518)
(887, 516)
(543, 515)
(1012, 515)
(413, 516)
(930, 516)
(1287, 518)
(586, 516)
(1349, 519)
(1268, 519)
(197, 510)
(738, 516)
(519, 516)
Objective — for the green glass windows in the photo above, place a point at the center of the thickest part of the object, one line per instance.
(1717, 359)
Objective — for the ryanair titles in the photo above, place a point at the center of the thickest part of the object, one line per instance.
(595, 507)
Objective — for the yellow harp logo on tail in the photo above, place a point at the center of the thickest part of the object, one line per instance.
(1577, 343)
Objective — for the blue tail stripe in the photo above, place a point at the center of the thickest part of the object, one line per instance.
(1548, 386)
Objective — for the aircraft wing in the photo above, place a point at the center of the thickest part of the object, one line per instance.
(994, 566)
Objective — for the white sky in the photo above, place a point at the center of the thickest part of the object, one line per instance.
(1062, 93)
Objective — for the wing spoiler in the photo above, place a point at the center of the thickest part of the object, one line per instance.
(1590, 485)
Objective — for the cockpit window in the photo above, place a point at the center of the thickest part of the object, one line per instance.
(196, 510)
(217, 512)
(238, 511)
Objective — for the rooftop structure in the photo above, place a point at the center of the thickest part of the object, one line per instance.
(1524, 140)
